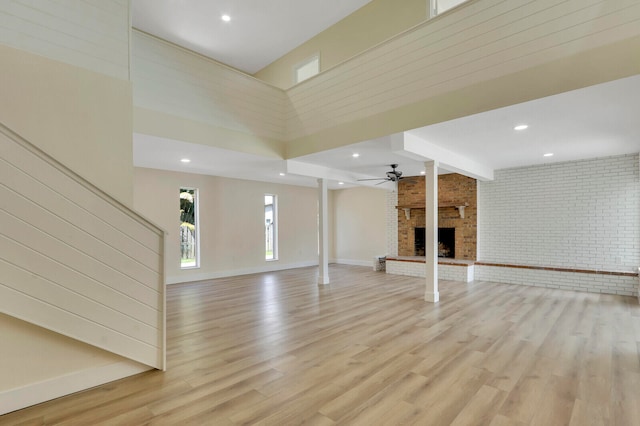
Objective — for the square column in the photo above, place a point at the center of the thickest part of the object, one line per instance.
(323, 232)
(431, 231)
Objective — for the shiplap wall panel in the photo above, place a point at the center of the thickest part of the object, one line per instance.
(57, 272)
(88, 34)
(16, 204)
(64, 208)
(96, 269)
(445, 64)
(58, 296)
(479, 41)
(175, 81)
(41, 265)
(84, 198)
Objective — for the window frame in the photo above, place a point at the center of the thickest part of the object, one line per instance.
(274, 229)
(301, 64)
(196, 217)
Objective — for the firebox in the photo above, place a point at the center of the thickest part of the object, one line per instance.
(447, 242)
(418, 241)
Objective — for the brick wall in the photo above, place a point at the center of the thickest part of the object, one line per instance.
(453, 190)
(579, 214)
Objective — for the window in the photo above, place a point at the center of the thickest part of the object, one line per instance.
(440, 6)
(270, 227)
(307, 69)
(189, 237)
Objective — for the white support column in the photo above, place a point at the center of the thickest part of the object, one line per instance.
(323, 233)
(431, 232)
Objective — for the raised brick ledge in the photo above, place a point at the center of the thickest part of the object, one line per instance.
(553, 268)
(421, 259)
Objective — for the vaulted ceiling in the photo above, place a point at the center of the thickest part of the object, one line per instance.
(596, 121)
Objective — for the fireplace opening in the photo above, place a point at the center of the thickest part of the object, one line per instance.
(447, 242)
(419, 242)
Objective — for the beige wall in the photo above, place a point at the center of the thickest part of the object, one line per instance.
(364, 28)
(359, 230)
(81, 118)
(84, 120)
(24, 346)
(231, 222)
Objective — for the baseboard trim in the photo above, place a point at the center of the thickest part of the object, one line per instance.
(354, 262)
(36, 393)
(270, 267)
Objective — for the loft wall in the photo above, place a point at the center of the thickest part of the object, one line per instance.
(93, 35)
(483, 55)
(373, 23)
(185, 96)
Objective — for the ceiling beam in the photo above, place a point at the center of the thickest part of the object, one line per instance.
(411, 146)
(323, 172)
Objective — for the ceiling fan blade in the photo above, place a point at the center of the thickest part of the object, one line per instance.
(360, 180)
(384, 181)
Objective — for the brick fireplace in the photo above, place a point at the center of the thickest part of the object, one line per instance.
(454, 191)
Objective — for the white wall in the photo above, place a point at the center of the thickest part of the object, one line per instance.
(87, 34)
(231, 222)
(174, 81)
(581, 215)
(359, 230)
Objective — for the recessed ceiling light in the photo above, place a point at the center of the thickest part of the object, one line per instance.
(423, 172)
(521, 127)
(549, 154)
(281, 174)
(355, 155)
(340, 183)
(185, 160)
(225, 18)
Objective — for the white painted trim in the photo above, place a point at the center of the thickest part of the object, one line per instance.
(355, 262)
(270, 267)
(411, 146)
(26, 396)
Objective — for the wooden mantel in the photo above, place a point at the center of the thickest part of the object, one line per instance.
(407, 208)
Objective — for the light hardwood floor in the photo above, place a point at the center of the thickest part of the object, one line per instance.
(277, 349)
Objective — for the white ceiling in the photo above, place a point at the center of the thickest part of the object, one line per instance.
(260, 31)
(592, 122)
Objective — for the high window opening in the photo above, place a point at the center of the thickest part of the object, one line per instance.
(270, 227)
(306, 69)
(439, 6)
(189, 237)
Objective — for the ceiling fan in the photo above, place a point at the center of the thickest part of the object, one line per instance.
(392, 176)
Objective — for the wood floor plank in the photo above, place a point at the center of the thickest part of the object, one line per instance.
(277, 349)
